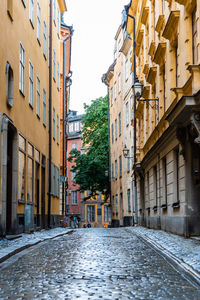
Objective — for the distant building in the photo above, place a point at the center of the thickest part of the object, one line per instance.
(73, 196)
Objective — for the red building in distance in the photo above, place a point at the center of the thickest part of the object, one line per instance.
(73, 197)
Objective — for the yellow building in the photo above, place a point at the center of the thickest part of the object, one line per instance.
(29, 114)
(95, 211)
(167, 36)
(119, 81)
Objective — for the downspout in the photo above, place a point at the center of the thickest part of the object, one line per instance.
(50, 115)
(64, 118)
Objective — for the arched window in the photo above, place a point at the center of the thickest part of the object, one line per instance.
(9, 85)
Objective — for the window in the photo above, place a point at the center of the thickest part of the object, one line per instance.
(112, 170)
(116, 169)
(127, 114)
(54, 123)
(131, 108)
(129, 200)
(58, 129)
(73, 174)
(74, 145)
(90, 213)
(54, 65)
(115, 90)
(38, 97)
(77, 126)
(115, 129)
(176, 175)
(58, 21)
(58, 75)
(120, 124)
(44, 107)
(116, 204)
(106, 213)
(30, 84)
(128, 164)
(9, 85)
(31, 11)
(112, 133)
(21, 168)
(164, 181)
(71, 127)
(74, 197)
(54, 11)
(155, 185)
(120, 166)
(194, 37)
(38, 21)
(111, 96)
(30, 174)
(45, 40)
(119, 83)
(126, 70)
(21, 69)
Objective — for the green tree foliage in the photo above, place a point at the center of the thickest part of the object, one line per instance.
(90, 166)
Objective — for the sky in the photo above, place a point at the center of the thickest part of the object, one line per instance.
(95, 24)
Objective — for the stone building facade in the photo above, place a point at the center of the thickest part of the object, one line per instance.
(29, 114)
(167, 36)
(119, 81)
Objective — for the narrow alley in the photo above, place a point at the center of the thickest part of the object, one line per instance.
(93, 264)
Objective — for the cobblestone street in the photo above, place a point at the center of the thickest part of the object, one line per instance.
(93, 264)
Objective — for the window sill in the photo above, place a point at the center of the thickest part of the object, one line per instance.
(31, 106)
(176, 204)
(31, 23)
(39, 42)
(164, 206)
(29, 202)
(155, 208)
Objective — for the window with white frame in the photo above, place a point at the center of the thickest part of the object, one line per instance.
(116, 204)
(71, 127)
(120, 166)
(45, 40)
(126, 70)
(111, 96)
(90, 213)
(74, 195)
(30, 83)
(77, 126)
(58, 75)
(119, 83)
(58, 129)
(127, 113)
(115, 169)
(21, 69)
(128, 164)
(54, 123)
(115, 129)
(120, 124)
(38, 97)
(129, 199)
(54, 11)
(115, 90)
(54, 65)
(58, 21)
(44, 107)
(38, 21)
(112, 133)
(74, 145)
(31, 11)
(131, 108)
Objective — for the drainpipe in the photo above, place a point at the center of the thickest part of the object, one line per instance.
(64, 119)
(50, 115)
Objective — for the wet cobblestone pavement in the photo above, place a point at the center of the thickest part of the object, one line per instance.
(93, 264)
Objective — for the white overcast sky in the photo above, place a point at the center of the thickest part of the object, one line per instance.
(95, 24)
